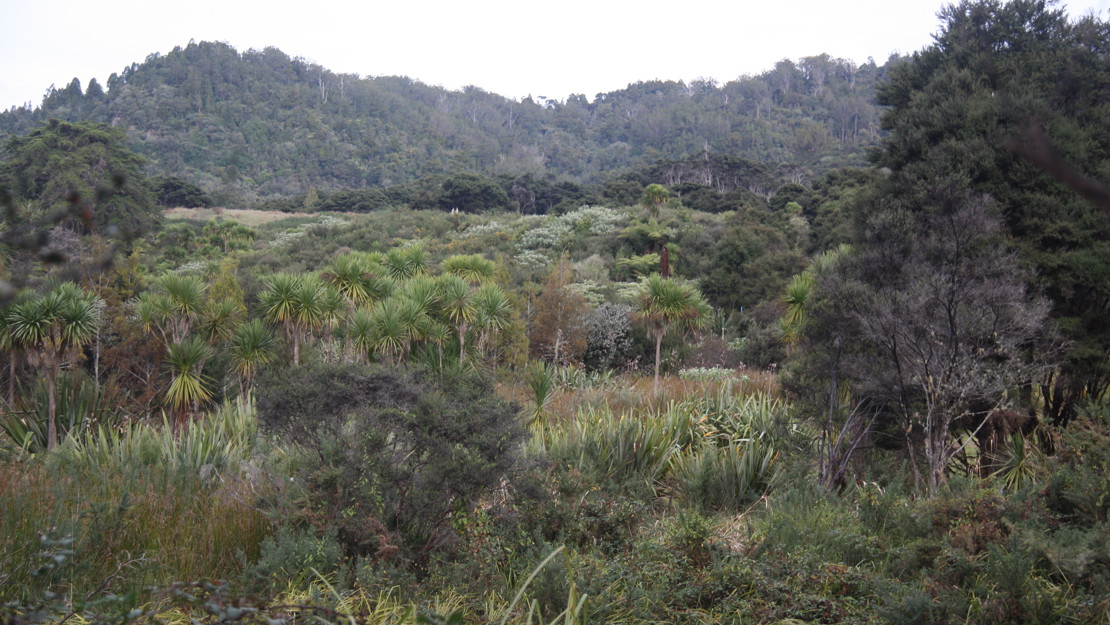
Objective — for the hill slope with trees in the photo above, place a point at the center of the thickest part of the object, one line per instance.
(260, 123)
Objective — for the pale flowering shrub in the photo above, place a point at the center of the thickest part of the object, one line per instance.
(286, 237)
(549, 236)
(532, 260)
(331, 221)
(706, 373)
(594, 220)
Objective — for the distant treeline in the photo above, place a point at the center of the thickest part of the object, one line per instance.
(259, 124)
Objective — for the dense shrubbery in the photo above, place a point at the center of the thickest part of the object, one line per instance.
(390, 457)
(387, 465)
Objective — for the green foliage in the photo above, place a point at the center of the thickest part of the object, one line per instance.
(667, 305)
(403, 450)
(608, 342)
(472, 193)
(82, 405)
(260, 122)
(723, 477)
(219, 442)
(470, 267)
(189, 388)
(172, 191)
(998, 76)
(140, 506)
(714, 452)
(59, 160)
(615, 449)
(293, 557)
(541, 381)
(49, 328)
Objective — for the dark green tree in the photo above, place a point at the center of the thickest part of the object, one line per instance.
(81, 168)
(997, 75)
(472, 193)
(172, 191)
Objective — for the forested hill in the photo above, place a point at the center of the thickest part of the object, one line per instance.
(270, 125)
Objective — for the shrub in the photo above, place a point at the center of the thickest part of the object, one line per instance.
(292, 557)
(392, 454)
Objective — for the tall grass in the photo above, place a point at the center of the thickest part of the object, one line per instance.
(218, 442)
(81, 406)
(141, 507)
(715, 449)
(612, 448)
(575, 391)
(723, 477)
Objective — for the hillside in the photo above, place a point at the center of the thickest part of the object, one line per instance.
(261, 124)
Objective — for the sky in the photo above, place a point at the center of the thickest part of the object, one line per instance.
(515, 48)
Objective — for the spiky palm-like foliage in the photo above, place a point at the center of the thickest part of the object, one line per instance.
(172, 307)
(351, 275)
(666, 305)
(189, 388)
(470, 267)
(798, 292)
(49, 328)
(154, 311)
(299, 305)
(389, 330)
(493, 313)
(795, 298)
(9, 346)
(457, 307)
(722, 477)
(186, 296)
(425, 292)
(406, 263)
(360, 332)
(252, 346)
(219, 319)
(82, 404)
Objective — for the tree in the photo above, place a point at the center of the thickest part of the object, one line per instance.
(172, 191)
(655, 196)
(282, 304)
(608, 336)
(404, 263)
(229, 235)
(393, 325)
(666, 305)
(472, 193)
(457, 305)
(393, 447)
(173, 309)
(826, 348)
(473, 268)
(931, 323)
(558, 329)
(50, 328)
(955, 111)
(355, 275)
(61, 161)
(493, 312)
(188, 388)
(252, 347)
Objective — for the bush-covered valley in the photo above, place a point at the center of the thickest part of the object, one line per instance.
(707, 382)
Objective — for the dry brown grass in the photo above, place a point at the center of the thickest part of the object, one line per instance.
(245, 216)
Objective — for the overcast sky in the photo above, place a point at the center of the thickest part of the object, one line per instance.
(511, 47)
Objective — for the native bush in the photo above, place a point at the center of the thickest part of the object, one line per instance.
(137, 507)
(391, 456)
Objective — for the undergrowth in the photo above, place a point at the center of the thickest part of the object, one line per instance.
(616, 516)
